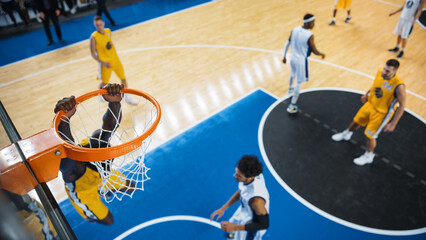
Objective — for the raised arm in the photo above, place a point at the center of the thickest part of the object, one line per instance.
(314, 48)
(68, 106)
(112, 116)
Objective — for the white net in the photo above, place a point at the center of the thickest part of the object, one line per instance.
(123, 175)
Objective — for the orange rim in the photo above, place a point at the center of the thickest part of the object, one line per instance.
(101, 154)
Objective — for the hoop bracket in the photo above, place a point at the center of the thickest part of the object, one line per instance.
(43, 152)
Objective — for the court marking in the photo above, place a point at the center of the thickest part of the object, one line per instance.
(308, 204)
(389, 3)
(202, 46)
(167, 219)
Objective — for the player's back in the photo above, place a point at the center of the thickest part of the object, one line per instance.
(299, 42)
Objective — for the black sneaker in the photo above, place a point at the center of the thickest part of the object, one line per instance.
(49, 42)
(61, 41)
(400, 54)
(396, 49)
(332, 23)
(347, 19)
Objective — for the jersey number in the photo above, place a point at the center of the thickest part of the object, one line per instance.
(410, 4)
(387, 86)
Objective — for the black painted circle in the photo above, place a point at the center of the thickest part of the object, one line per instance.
(389, 194)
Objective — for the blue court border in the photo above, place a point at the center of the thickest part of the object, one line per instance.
(34, 43)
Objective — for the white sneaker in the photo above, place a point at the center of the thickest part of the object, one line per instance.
(365, 158)
(345, 135)
(292, 108)
(130, 100)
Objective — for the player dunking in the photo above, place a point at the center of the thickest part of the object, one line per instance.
(411, 11)
(379, 106)
(301, 41)
(103, 51)
(344, 4)
(82, 179)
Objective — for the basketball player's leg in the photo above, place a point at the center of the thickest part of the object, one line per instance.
(361, 119)
(291, 78)
(119, 71)
(399, 29)
(300, 71)
(84, 196)
(405, 34)
(104, 75)
(333, 21)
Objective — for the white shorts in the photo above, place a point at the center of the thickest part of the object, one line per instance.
(403, 28)
(299, 68)
(240, 219)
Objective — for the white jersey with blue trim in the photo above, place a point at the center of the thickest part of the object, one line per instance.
(257, 188)
(299, 42)
(410, 9)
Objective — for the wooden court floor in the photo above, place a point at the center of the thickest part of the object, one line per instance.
(197, 61)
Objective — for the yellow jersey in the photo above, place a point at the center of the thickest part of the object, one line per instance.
(382, 93)
(104, 47)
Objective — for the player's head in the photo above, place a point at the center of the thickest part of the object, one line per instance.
(99, 23)
(390, 68)
(247, 168)
(95, 141)
(309, 21)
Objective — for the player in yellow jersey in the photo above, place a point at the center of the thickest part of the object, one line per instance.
(103, 51)
(344, 4)
(380, 102)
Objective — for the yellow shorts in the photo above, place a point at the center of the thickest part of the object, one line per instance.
(345, 4)
(373, 120)
(105, 73)
(85, 198)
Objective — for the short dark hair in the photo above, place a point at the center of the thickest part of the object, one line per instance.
(250, 166)
(307, 16)
(97, 17)
(393, 63)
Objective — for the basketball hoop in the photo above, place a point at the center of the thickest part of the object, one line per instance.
(120, 162)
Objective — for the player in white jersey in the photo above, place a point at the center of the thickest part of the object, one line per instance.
(251, 219)
(411, 11)
(301, 41)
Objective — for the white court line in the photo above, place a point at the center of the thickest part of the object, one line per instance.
(167, 219)
(389, 3)
(118, 30)
(308, 204)
(206, 46)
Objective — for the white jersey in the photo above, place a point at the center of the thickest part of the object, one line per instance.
(299, 42)
(410, 9)
(244, 213)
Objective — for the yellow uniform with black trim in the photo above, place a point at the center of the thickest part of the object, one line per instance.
(106, 52)
(84, 194)
(381, 105)
(345, 4)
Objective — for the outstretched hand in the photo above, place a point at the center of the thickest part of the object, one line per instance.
(114, 92)
(67, 105)
(218, 214)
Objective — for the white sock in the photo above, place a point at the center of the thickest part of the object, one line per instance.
(402, 49)
(397, 45)
(296, 94)
(334, 19)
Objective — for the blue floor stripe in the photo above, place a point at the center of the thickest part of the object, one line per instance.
(30, 44)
